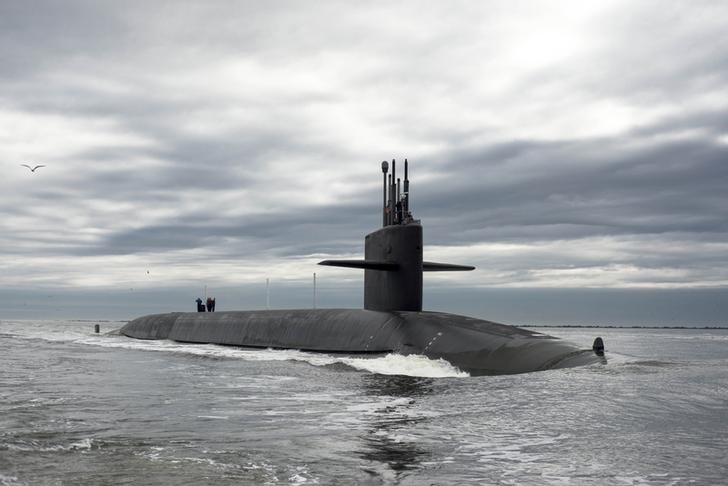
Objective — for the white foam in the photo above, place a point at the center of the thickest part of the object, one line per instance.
(391, 364)
(301, 476)
(411, 365)
(83, 444)
(7, 480)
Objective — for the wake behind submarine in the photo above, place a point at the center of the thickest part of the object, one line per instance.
(392, 320)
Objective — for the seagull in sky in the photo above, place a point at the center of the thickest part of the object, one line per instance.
(32, 169)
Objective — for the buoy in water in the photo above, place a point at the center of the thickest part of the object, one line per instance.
(598, 346)
(96, 328)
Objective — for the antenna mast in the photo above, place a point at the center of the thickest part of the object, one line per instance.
(405, 195)
(385, 169)
(393, 194)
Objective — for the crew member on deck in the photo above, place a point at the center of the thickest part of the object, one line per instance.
(209, 304)
(200, 307)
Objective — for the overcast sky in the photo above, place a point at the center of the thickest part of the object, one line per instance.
(554, 145)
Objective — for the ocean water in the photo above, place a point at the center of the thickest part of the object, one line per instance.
(80, 408)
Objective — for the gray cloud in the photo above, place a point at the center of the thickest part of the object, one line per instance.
(663, 189)
(590, 144)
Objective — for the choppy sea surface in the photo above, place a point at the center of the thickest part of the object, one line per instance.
(81, 408)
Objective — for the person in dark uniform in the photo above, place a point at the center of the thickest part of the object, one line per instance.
(213, 304)
(200, 307)
(209, 304)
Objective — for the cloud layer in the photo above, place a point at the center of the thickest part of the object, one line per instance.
(551, 145)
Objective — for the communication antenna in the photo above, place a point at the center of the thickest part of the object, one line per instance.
(267, 294)
(314, 290)
(405, 196)
(389, 200)
(385, 169)
(399, 202)
(393, 193)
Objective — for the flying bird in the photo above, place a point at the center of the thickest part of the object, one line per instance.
(32, 169)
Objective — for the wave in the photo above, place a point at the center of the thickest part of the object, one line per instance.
(34, 446)
(391, 364)
(411, 365)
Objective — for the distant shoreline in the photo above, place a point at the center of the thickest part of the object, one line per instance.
(591, 326)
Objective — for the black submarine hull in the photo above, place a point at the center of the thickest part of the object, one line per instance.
(477, 346)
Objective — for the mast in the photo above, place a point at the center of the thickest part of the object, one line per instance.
(385, 169)
(405, 195)
(392, 193)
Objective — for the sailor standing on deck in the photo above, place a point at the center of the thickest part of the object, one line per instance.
(209, 304)
(200, 307)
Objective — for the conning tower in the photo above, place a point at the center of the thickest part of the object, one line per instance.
(392, 262)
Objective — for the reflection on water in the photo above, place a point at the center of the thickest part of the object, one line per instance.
(398, 385)
(398, 454)
(391, 437)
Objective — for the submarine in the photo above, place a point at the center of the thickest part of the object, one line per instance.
(392, 320)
